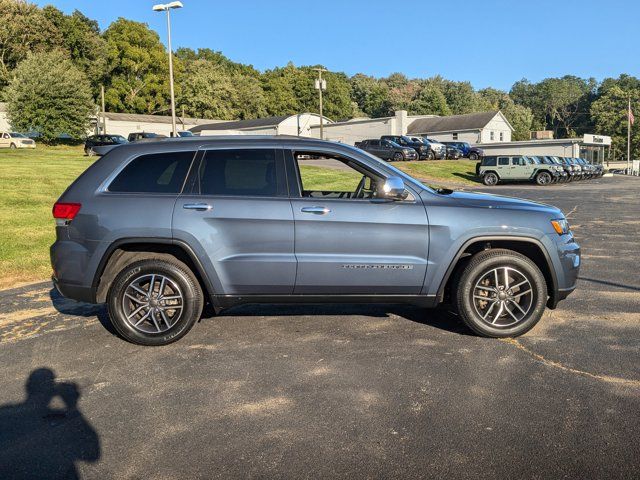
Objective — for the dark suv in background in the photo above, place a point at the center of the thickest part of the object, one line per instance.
(472, 153)
(102, 141)
(387, 150)
(423, 150)
(158, 229)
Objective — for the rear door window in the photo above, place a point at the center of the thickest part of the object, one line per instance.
(503, 161)
(489, 162)
(242, 172)
(154, 173)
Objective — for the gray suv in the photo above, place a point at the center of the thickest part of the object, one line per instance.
(157, 230)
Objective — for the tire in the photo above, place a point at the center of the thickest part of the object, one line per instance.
(13, 146)
(398, 157)
(431, 155)
(162, 325)
(543, 178)
(478, 279)
(473, 156)
(490, 179)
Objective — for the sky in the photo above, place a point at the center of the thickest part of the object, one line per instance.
(491, 43)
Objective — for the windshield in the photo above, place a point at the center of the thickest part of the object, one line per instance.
(393, 144)
(118, 139)
(17, 135)
(185, 134)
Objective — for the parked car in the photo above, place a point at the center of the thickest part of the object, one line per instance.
(453, 153)
(388, 150)
(472, 153)
(15, 140)
(134, 137)
(439, 149)
(563, 175)
(102, 140)
(593, 171)
(579, 172)
(158, 229)
(423, 150)
(495, 169)
(567, 168)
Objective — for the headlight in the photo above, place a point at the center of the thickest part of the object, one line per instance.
(561, 226)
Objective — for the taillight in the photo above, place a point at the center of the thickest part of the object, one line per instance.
(65, 211)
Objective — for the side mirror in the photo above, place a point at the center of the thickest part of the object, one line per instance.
(393, 189)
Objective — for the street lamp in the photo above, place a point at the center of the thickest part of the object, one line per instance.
(166, 7)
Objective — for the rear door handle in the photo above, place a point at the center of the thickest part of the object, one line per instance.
(315, 210)
(201, 207)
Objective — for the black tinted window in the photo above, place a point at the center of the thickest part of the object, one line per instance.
(156, 173)
(489, 162)
(241, 173)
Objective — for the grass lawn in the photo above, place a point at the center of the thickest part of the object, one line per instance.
(32, 180)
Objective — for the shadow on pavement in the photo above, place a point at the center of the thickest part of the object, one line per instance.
(71, 307)
(46, 435)
(611, 284)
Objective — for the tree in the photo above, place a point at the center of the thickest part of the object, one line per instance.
(208, 91)
(24, 29)
(49, 94)
(519, 116)
(430, 101)
(371, 95)
(138, 69)
(609, 112)
(81, 38)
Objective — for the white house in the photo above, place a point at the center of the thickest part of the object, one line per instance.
(483, 127)
(126, 123)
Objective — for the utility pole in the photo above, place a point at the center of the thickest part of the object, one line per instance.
(629, 114)
(104, 117)
(320, 86)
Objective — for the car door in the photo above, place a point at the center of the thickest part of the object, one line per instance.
(503, 168)
(357, 246)
(237, 214)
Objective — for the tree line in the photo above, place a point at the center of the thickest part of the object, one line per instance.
(52, 66)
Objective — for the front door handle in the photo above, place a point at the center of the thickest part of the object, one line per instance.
(315, 210)
(201, 207)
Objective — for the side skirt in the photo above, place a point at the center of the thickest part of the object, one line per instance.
(227, 301)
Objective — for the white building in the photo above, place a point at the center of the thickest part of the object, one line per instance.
(126, 123)
(299, 125)
(483, 127)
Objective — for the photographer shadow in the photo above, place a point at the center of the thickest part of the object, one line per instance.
(46, 435)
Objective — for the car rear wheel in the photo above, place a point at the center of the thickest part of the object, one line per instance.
(431, 156)
(490, 179)
(398, 157)
(13, 146)
(543, 178)
(501, 293)
(473, 156)
(154, 302)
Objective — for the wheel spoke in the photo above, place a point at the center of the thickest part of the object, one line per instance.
(495, 273)
(522, 293)
(519, 307)
(489, 310)
(162, 283)
(144, 317)
(488, 289)
(136, 299)
(172, 297)
(497, 316)
(519, 284)
(506, 278)
(130, 316)
(138, 289)
(164, 317)
(155, 322)
(153, 277)
(506, 307)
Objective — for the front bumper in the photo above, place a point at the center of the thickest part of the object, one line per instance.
(567, 267)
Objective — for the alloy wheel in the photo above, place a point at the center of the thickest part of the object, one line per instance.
(152, 303)
(503, 296)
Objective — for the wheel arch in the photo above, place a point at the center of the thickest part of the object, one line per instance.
(527, 246)
(124, 251)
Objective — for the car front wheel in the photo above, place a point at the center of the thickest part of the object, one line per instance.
(154, 302)
(473, 156)
(398, 157)
(543, 178)
(501, 293)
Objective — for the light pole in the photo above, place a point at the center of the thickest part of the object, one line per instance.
(320, 86)
(167, 7)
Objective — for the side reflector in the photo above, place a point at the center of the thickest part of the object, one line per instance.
(65, 211)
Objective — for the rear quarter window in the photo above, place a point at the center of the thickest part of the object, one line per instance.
(154, 173)
(489, 162)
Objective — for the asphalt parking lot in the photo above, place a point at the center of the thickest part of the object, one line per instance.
(341, 391)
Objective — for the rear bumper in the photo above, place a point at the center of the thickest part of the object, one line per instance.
(75, 292)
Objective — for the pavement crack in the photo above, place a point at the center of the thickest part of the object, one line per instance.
(560, 366)
(571, 212)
